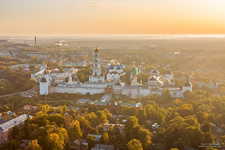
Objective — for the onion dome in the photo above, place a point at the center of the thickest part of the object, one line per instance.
(96, 50)
(116, 64)
(134, 70)
(187, 83)
(43, 80)
(111, 66)
(119, 67)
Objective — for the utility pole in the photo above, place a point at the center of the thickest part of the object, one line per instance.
(45, 98)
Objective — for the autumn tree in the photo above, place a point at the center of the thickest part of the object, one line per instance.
(91, 141)
(166, 95)
(74, 130)
(53, 142)
(105, 138)
(141, 115)
(130, 123)
(33, 145)
(134, 145)
(145, 138)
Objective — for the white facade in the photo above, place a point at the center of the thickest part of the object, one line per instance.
(43, 66)
(96, 79)
(44, 88)
(60, 78)
(94, 84)
(135, 82)
(117, 89)
(169, 75)
(185, 88)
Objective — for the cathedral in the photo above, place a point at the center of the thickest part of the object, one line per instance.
(113, 84)
(115, 72)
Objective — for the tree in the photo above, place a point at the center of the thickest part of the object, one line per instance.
(166, 96)
(84, 123)
(177, 102)
(93, 118)
(211, 118)
(105, 138)
(186, 110)
(74, 130)
(58, 119)
(188, 95)
(130, 123)
(53, 142)
(145, 138)
(33, 145)
(206, 126)
(91, 141)
(134, 145)
(100, 129)
(178, 144)
(88, 94)
(108, 114)
(102, 118)
(64, 109)
(15, 132)
(141, 115)
(196, 138)
(11, 144)
(208, 137)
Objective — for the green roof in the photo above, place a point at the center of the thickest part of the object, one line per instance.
(128, 104)
(134, 70)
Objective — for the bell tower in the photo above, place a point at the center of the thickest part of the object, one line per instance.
(96, 64)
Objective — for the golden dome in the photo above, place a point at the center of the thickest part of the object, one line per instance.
(96, 50)
(116, 63)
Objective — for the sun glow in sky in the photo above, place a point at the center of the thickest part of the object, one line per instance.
(112, 17)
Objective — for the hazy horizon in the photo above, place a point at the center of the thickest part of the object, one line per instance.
(25, 17)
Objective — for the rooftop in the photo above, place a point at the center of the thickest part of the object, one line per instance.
(9, 124)
(103, 147)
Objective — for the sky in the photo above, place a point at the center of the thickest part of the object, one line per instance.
(34, 17)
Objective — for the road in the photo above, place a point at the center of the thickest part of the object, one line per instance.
(15, 93)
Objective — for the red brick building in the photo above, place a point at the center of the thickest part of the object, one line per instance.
(7, 127)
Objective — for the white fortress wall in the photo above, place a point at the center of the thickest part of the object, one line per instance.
(81, 90)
